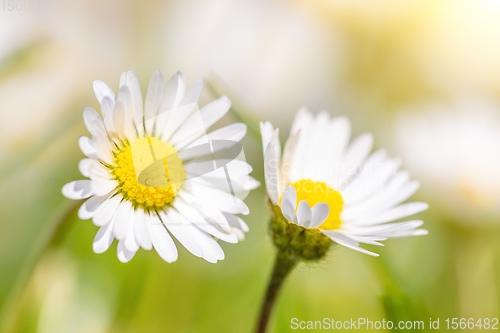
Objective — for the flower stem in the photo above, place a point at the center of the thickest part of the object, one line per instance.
(284, 264)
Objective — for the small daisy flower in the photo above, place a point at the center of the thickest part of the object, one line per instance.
(155, 173)
(326, 189)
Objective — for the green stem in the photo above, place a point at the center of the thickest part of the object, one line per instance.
(284, 264)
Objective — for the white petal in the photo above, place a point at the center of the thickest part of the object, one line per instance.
(288, 204)
(190, 130)
(356, 154)
(102, 145)
(102, 90)
(368, 240)
(104, 214)
(162, 242)
(317, 146)
(266, 132)
(124, 255)
(214, 168)
(173, 93)
(288, 157)
(193, 94)
(396, 228)
(207, 210)
(271, 169)
(340, 127)
(338, 139)
(121, 219)
(219, 168)
(195, 218)
(402, 195)
(371, 179)
(141, 233)
(233, 132)
(123, 113)
(224, 138)
(103, 238)
(99, 172)
(380, 199)
(376, 161)
(214, 111)
(93, 121)
(107, 107)
(78, 189)
(123, 79)
(340, 238)
(304, 214)
(193, 239)
(219, 199)
(180, 228)
(154, 95)
(359, 249)
(168, 122)
(130, 240)
(89, 207)
(392, 214)
(239, 233)
(303, 122)
(85, 166)
(347, 241)
(302, 118)
(136, 98)
(92, 168)
(103, 186)
(236, 222)
(87, 147)
(230, 184)
(290, 196)
(408, 233)
(383, 230)
(319, 213)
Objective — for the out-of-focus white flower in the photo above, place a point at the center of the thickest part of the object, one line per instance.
(455, 151)
(456, 48)
(153, 170)
(272, 56)
(45, 64)
(327, 185)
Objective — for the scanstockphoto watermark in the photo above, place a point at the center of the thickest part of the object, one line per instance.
(409, 325)
(27, 5)
(354, 324)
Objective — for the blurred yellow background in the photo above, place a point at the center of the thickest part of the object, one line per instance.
(422, 75)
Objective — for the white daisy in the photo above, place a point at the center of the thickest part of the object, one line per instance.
(154, 171)
(324, 183)
(454, 151)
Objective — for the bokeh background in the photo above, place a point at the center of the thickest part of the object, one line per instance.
(422, 75)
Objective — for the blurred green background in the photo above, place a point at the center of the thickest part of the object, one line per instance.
(376, 61)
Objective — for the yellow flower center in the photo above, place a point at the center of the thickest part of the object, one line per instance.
(149, 172)
(316, 192)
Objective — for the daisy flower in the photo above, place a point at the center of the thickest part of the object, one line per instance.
(155, 173)
(335, 190)
(464, 182)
